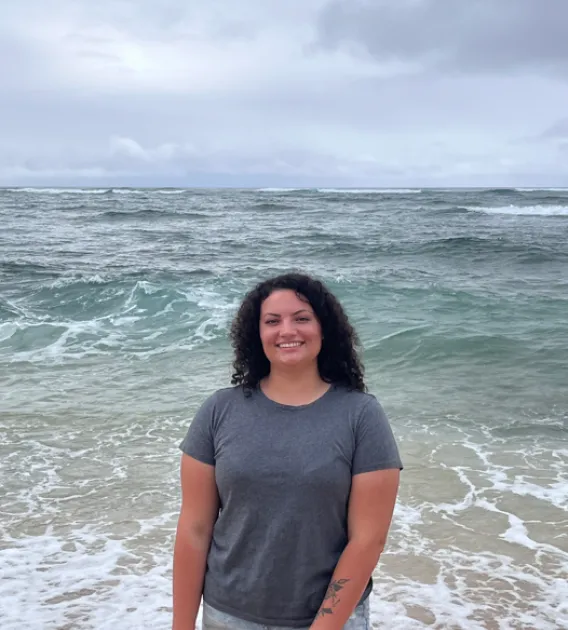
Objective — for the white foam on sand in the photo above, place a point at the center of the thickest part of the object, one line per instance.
(91, 580)
(85, 580)
(475, 543)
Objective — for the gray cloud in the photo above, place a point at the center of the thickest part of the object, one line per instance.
(217, 92)
(559, 130)
(491, 36)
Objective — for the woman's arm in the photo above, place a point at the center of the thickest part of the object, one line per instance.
(199, 511)
(371, 505)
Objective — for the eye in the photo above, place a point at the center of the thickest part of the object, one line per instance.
(303, 319)
(271, 321)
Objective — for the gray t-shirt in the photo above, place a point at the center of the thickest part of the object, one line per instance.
(284, 475)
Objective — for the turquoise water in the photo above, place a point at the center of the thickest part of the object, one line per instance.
(114, 309)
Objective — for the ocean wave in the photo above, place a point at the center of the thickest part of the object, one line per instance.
(450, 209)
(131, 191)
(96, 191)
(466, 248)
(77, 281)
(267, 206)
(74, 318)
(462, 245)
(169, 191)
(20, 270)
(371, 191)
(540, 210)
(58, 343)
(282, 190)
(485, 245)
(147, 213)
(541, 190)
(60, 191)
(417, 347)
(498, 191)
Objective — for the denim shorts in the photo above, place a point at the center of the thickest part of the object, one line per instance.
(214, 619)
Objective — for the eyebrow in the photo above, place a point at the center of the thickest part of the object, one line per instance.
(302, 310)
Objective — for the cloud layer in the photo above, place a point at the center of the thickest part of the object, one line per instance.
(292, 92)
(485, 36)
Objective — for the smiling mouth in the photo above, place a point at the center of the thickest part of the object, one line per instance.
(294, 344)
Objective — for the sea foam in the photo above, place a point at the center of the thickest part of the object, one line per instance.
(540, 210)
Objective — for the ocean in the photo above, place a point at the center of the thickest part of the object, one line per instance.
(114, 314)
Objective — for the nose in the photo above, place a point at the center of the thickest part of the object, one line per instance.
(287, 327)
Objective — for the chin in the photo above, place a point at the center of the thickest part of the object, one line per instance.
(288, 361)
(294, 361)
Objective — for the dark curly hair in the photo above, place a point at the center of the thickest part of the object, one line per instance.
(338, 360)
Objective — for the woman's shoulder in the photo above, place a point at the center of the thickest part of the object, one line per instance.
(224, 395)
(355, 397)
(365, 410)
(217, 405)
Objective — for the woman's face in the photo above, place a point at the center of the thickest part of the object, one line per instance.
(289, 330)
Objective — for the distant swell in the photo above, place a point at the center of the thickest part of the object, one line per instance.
(24, 269)
(500, 191)
(462, 244)
(475, 246)
(96, 191)
(60, 191)
(119, 215)
(272, 206)
(543, 210)
(136, 214)
(541, 190)
(417, 346)
(282, 190)
(457, 209)
(371, 191)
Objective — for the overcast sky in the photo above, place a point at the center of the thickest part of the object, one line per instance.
(284, 92)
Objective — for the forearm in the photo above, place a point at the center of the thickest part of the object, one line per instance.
(190, 559)
(350, 578)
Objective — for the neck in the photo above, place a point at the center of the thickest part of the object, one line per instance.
(295, 387)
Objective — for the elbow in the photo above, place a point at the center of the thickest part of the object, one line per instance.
(370, 548)
(197, 534)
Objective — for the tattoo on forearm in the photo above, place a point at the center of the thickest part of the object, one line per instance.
(331, 598)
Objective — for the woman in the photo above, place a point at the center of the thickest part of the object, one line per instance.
(289, 477)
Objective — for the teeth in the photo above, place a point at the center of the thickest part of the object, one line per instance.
(290, 345)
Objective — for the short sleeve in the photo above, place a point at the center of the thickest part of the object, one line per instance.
(375, 444)
(199, 439)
